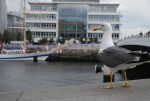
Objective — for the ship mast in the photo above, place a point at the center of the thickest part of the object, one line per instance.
(25, 27)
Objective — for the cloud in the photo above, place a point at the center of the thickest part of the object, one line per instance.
(135, 16)
(135, 13)
(13, 6)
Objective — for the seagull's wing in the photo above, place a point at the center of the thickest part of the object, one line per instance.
(114, 56)
(116, 49)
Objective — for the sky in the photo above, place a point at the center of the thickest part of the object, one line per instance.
(136, 14)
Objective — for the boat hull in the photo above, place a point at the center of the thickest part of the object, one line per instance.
(30, 56)
(13, 54)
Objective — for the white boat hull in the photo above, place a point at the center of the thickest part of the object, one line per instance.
(29, 56)
(13, 55)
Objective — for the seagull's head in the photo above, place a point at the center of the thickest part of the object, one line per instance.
(104, 27)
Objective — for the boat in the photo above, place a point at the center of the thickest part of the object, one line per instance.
(22, 54)
(15, 55)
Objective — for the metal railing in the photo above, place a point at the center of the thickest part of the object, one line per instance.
(135, 37)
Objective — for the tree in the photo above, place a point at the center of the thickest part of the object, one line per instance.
(94, 40)
(43, 41)
(7, 36)
(88, 40)
(29, 35)
(51, 40)
(0, 36)
(82, 40)
(19, 37)
(14, 35)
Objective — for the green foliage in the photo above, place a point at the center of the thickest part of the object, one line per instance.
(14, 36)
(43, 41)
(18, 37)
(11, 36)
(29, 35)
(0, 36)
(7, 36)
(88, 40)
(95, 40)
(82, 40)
(51, 40)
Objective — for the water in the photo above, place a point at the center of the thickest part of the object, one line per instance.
(22, 75)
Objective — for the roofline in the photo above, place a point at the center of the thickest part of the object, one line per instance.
(60, 2)
(10, 14)
(93, 1)
(32, 2)
(117, 4)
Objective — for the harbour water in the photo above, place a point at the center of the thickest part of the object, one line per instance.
(23, 75)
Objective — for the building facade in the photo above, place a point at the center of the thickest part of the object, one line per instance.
(42, 20)
(3, 15)
(100, 13)
(72, 19)
(15, 22)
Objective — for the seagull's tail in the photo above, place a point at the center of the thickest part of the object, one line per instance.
(130, 65)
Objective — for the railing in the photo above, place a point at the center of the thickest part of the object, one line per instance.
(135, 37)
(18, 46)
(73, 46)
(84, 46)
(139, 40)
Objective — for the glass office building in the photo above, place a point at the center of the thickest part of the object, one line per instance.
(72, 18)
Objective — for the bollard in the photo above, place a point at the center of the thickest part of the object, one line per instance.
(35, 58)
(106, 75)
(98, 69)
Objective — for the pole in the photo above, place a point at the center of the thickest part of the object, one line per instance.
(76, 31)
(24, 34)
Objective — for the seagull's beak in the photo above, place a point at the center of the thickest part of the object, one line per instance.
(96, 29)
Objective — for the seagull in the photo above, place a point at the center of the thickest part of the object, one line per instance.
(116, 58)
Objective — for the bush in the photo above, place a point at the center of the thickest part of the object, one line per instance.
(29, 36)
(7, 36)
(43, 41)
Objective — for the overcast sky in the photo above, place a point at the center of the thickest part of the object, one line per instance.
(136, 14)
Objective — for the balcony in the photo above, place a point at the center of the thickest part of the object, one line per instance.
(41, 21)
(104, 13)
(41, 12)
(42, 29)
(91, 31)
(102, 21)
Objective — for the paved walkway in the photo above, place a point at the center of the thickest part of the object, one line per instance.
(140, 91)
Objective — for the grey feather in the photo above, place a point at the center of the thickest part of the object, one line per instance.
(114, 56)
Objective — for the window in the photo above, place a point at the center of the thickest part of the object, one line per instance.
(43, 8)
(54, 34)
